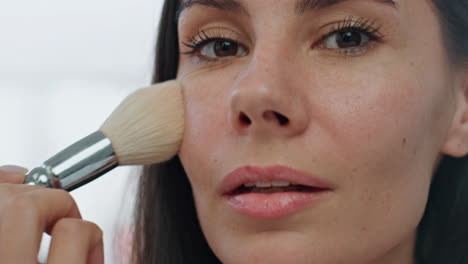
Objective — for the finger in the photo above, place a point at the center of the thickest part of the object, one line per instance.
(12, 174)
(76, 241)
(29, 215)
(7, 190)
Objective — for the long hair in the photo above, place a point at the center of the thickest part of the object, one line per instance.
(166, 227)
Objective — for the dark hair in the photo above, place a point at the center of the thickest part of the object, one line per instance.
(166, 227)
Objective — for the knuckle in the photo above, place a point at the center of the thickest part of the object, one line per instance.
(93, 228)
(65, 197)
(57, 198)
(75, 227)
(67, 226)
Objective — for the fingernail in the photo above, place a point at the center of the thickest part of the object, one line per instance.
(13, 169)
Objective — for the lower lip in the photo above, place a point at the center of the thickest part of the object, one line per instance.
(274, 205)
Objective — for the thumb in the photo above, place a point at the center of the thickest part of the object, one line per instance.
(12, 174)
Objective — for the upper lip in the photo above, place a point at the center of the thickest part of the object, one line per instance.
(246, 174)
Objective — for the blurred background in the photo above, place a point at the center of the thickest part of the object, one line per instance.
(64, 66)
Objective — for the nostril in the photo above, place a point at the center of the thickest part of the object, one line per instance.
(282, 119)
(268, 115)
(244, 119)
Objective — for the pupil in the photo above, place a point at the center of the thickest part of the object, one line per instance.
(225, 48)
(349, 39)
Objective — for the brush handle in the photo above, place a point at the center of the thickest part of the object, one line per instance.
(76, 165)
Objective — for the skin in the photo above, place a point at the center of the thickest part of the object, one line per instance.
(28, 211)
(375, 124)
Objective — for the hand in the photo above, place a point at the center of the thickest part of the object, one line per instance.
(27, 211)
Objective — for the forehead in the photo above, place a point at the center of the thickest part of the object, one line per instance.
(300, 6)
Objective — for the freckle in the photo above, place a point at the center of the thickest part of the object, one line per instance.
(403, 142)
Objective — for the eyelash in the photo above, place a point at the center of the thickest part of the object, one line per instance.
(350, 24)
(202, 38)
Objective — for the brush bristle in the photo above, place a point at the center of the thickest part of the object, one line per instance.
(147, 127)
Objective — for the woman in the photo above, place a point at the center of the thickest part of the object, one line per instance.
(368, 98)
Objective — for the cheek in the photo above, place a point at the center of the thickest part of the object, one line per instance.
(384, 116)
(206, 108)
(376, 116)
(381, 135)
(380, 132)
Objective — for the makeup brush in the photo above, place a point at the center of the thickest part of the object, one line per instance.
(146, 128)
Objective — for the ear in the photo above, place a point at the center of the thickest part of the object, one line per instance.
(456, 143)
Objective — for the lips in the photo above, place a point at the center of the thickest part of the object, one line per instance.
(249, 175)
(272, 192)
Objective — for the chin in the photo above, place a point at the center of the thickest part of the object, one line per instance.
(275, 248)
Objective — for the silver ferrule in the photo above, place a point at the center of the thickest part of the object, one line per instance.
(76, 165)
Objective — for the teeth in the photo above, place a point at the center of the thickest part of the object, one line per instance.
(267, 184)
(280, 183)
(249, 184)
(263, 184)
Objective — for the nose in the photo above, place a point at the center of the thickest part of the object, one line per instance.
(268, 100)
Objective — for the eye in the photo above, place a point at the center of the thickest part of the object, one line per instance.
(345, 40)
(214, 45)
(352, 37)
(222, 48)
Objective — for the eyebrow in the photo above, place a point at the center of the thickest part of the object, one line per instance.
(301, 6)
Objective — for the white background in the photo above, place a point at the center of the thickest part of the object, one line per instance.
(64, 66)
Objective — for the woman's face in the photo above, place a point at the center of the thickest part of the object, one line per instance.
(357, 93)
